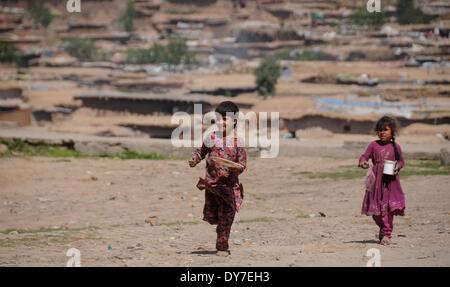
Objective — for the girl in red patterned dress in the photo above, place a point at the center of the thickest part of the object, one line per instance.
(223, 192)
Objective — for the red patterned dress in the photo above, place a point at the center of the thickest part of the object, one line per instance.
(224, 193)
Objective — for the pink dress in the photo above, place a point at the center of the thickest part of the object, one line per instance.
(385, 195)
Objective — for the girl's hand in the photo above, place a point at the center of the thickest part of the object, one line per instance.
(364, 165)
(396, 169)
(224, 171)
(192, 163)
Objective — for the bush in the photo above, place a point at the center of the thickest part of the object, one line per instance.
(40, 14)
(177, 51)
(408, 14)
(127, 16)
(8, 53)
(82, 49)
(267, 75)
(174, 53)
(362, 17)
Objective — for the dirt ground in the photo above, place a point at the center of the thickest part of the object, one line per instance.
(148, 213)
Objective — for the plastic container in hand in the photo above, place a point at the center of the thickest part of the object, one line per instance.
(389, 167)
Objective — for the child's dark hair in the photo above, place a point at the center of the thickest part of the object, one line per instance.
(393, 125)
(227, 107)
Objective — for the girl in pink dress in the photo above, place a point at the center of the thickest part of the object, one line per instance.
(384, 196)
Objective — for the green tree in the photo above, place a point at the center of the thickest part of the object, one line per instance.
(8, 52)
(82, 49)
(40, 14)
(364, 18)
(127, 16)
(174, 53)
(407, 13)
(267, 75)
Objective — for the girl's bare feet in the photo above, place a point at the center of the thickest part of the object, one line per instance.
(385, 241)
(222, 253)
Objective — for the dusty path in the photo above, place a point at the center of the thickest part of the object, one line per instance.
(148, 213)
